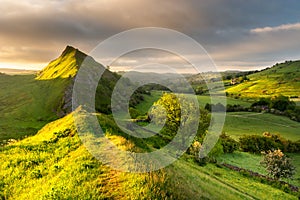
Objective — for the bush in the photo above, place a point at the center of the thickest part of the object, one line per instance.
(268, 141)
(235, 108)
(278, 165)
(194, 149)
(134, 113)
(211, 157)
(216, 151)
(215, 107)
(228, 143)
(257, 143)
(282, 103)
(262, 102)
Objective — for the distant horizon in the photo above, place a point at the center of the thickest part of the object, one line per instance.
(2, 69)
(40, 66)
(119, 69)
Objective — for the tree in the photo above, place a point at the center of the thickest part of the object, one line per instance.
(228, 143)
(169, 112)
(282, 103)
(278, 165)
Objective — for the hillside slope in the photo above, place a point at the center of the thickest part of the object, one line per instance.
(27, 104)
(282, 79)
(54, 164)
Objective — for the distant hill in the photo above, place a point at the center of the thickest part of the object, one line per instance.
(149, 76)
(16, 71)
(282, 79)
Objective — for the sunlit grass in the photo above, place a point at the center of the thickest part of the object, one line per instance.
(54, 164)
(282, 79)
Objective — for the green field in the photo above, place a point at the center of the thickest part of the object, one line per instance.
(246, 123)
(202, 99)
(252, 162)
(242, 123)
(144, 107)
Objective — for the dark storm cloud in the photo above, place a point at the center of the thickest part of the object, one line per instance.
(233, 31)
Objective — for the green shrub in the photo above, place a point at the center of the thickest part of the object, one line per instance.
(134, 113)
(267, 141)
(257, 143)
(228, 143)
(216, 151)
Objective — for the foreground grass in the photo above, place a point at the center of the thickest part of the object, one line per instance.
(55, 165)
(219, 183)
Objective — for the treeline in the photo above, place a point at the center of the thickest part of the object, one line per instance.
(231, 75)
(280, 105)
(221, 108)
(248, 143)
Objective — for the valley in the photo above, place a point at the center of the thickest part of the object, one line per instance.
(42, 155)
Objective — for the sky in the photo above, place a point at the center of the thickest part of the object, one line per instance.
(237, 34)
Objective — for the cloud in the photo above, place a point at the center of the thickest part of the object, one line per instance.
(37, 31)
(283, 27)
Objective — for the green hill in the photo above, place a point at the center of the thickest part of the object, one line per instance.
(282, 79)
(27, 102)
